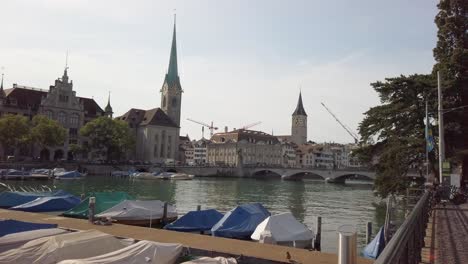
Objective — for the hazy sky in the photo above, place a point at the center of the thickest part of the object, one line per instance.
(239, 61)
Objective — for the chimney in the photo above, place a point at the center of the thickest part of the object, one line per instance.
(225, 129)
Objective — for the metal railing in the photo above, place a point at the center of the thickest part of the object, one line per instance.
(407, 242)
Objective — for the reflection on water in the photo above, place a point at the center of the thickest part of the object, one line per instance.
(336, 204)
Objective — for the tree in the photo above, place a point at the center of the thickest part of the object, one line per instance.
(14, 131)
(47, 132)
(108, 137)
(451, 55)
(397, 126)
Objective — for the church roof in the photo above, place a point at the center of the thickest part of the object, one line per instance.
(300, 108)
(156, 117)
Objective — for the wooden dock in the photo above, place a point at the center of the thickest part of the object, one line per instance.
(200, 242)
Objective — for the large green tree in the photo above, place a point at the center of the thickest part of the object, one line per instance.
(14, 131)
(107, 137)
(47, 132)
(451, 55)
(393, 133)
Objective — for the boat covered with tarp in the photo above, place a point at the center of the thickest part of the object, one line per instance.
(142, 213)
(241, 221)
(215, 260)
(11, 198)
(376, 246)
(49, 204)
(283, 229)
(69, 175)
(141, 252)
(196, 221)
(9, 226)
(104, 201)
(16, 240)
(53, 249)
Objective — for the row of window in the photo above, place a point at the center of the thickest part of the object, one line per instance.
(72, 120)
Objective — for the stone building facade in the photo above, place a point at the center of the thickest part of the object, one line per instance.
(243, 148)
(59, 103)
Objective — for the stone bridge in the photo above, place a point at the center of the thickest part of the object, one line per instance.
(330, 175)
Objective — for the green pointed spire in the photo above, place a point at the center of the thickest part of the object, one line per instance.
(172, 72)
(108, 110)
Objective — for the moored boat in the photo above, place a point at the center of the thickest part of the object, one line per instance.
(69, 175)
(140, 213)
(283, 229)
(241, 221)
(49, 204)
(104, 201)
(196, 221)
(13, 198)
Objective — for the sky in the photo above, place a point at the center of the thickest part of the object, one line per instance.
(240, 62)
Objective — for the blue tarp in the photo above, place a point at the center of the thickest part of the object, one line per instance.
(241, 221)
(49, 204)
(13, 226)
(376, 246)
(195, 221)
(9, 199)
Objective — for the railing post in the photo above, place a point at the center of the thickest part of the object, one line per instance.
(347, 245)
(369, 232)
(318, 234)
(91, 209)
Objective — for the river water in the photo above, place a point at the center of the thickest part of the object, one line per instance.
(336, 204)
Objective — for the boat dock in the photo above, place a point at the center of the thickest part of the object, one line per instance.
(200, 243)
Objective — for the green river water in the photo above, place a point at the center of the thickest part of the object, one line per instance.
(336, 204)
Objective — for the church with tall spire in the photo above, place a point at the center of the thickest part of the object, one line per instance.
(157, 130)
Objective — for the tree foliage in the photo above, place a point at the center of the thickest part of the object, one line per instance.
(451, 55)
(108, 137)
(397, 126)
(14, 131)
(47, 132)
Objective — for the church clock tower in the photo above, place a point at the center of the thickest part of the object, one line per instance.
(299, 124)
(171, 91)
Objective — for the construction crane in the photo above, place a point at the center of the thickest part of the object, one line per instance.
(210, 127)
(356, 137)
(251, 125)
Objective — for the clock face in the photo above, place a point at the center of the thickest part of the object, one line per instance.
(299, 121)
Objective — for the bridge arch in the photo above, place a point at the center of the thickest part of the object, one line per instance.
(266, 173)
(356, 175)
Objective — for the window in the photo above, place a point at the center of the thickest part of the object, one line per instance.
(49, 114)
(74, 120)
(163, 141)
(164, 102)
(73, 132)
(169, 143)
(63, 98)
(155, 151)
(174, 102)
(62, 118)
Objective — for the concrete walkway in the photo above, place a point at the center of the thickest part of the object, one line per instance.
(447, 236)
(235, 247)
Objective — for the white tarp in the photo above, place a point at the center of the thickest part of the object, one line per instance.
(284, 229)
(16, 240)
(53, 249)
(207, 260)
(142, 252)
(138, 210)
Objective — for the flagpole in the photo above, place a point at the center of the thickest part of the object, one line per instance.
(427, 137)
(441, 129)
